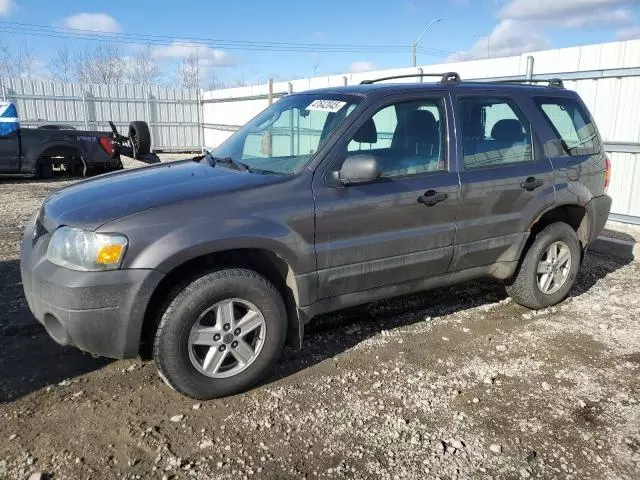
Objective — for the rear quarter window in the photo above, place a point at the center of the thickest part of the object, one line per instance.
(571, 124)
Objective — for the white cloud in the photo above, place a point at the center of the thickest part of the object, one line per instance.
(96, 22)
(569, 13)
(551, 9)
(6, 7)
(629, 33)
(618, 16)
(208, 57)
(509, 37)
(362, 66)
(522, 24)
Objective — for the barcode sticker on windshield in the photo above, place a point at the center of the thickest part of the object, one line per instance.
(331, 106)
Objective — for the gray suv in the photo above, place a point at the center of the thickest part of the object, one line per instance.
(327, 199)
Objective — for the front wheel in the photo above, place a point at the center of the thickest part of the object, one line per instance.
(221, 334)
(549, 268)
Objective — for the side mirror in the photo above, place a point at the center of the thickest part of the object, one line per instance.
(359, 169)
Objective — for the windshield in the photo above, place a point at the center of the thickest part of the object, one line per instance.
(283, 138)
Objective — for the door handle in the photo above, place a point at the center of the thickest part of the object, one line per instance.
(531, 184)
(431, 197)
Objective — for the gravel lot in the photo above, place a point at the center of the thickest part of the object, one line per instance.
(454, 383)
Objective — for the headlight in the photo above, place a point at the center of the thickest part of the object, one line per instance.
(83, 250)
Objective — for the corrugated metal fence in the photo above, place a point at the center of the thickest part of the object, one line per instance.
(173, 115)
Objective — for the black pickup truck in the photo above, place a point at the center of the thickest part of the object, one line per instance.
(42, 150)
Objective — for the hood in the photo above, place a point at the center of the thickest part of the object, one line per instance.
(100, 200)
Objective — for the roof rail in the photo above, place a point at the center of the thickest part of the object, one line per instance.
(551, 82)
(445, 78)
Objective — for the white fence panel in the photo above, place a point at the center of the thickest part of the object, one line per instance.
(625, 180)
(173, 115)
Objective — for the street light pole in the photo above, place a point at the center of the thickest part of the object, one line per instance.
(414, 51)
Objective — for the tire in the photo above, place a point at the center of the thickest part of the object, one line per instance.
(44, 169)
(525, 288)
(140, 137)
(182, 364)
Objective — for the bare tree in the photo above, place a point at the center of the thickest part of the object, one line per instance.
(61, 65)
(142, 67)
(25, 62)
(188, 71)
(20, 63)
(214, 83)
(104, 64)
(6, 60)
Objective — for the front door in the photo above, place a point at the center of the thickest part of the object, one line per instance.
(506, 181)
(401, 227)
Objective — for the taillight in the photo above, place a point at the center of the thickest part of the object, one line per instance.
(107, 145)
(607, 173)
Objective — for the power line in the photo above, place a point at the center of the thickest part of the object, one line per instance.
(56, 32)
(190, 41)
(153, 37)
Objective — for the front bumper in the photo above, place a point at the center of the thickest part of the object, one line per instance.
(598, 209)
(99, 312)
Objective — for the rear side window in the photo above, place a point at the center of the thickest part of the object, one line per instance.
(494, 132)
(571, 125)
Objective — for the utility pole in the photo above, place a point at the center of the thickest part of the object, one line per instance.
(414, 51)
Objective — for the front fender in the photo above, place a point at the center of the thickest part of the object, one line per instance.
(161, 248)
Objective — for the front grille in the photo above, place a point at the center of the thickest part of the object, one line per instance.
(38, 231)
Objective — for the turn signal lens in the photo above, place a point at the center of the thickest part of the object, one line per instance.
(109, 254)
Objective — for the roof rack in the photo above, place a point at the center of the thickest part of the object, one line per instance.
(551, 82)
(445, 78)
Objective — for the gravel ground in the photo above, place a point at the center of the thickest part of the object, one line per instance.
(454, 383)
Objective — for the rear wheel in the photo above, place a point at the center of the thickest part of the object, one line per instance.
(549, 268)
(221, 334)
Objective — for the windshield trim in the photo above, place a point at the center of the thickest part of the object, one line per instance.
(357, 99)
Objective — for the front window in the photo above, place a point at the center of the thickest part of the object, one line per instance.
(283, 138)
(407, 138)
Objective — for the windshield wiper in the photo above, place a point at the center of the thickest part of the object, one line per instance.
(213, 161)
(230, 161)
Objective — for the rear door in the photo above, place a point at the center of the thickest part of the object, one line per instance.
(505, 178)
(401, 227)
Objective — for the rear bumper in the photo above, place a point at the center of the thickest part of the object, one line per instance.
(598, 210)
(104, 161)
(99, 312)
